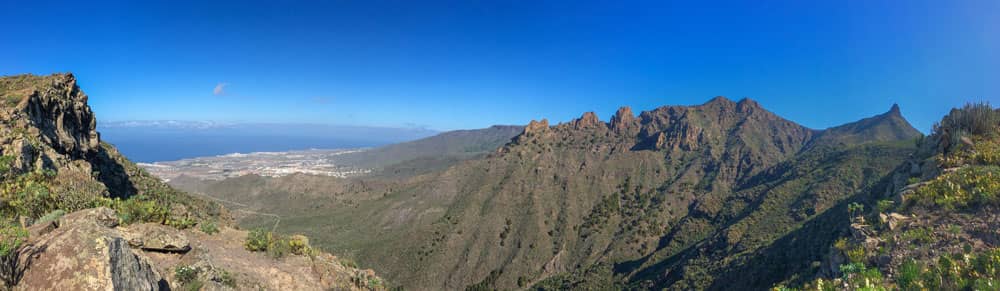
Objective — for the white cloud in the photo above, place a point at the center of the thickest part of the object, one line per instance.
(220, 89)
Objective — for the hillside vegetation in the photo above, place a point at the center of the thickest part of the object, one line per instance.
(934, 227)
(680, 197)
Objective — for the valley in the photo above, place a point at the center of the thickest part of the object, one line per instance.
(680, 197)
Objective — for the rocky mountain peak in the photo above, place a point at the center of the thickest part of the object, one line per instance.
(536, 126)
(623, 119)
(747, 105)
(52, 109)
(720, 101)
(588, 120)
(895, 110)
(888, 126)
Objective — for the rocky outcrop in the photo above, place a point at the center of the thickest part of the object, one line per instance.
(588, 120)
(158, 238)
(86, 252)
(536, 126)
(129, 271)
(90, 251)
(52, 109)
(623, 120)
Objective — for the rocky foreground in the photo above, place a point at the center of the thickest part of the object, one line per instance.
(90, 250)
(77, 215)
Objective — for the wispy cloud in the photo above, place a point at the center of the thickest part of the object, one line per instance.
(220, 89)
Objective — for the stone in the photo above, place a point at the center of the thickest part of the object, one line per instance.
(129, 271)
(41, 229)
(157, 237)
(83, 253)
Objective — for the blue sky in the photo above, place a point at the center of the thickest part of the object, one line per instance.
(469, 64)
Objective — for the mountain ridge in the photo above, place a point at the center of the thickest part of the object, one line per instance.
(573, 204)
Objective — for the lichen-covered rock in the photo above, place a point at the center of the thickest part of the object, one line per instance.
(86, 252)
(157, 237)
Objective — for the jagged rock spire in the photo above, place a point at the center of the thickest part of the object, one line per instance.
(622, 119)
(589, 119)
(536, 126)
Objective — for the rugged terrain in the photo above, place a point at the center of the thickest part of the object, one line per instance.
(680, 197)
(77, 215)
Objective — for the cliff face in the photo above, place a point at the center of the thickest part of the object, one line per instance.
(122, 229)
(46, 121)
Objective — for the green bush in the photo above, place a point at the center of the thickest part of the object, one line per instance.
(973, 118)
(139, 209)
(299, 245)
(29, 195)
(226, 279)
(12, 238)
(51, 216)
(186, 274)
(275, 245)
(180, 223)
(208, 227)
(258, 240)
(970, 186)
(909, 276)
(279, 247)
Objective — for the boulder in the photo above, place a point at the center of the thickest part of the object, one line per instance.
(892, 219)
(85, 253)
(157, 237)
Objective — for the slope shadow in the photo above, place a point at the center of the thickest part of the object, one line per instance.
(113, 175)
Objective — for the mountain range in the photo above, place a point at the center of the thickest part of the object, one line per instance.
(680, 197)
(719, 196)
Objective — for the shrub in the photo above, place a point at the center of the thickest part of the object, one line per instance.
(883, 206)
(139, 209)
(856, 255)
(973, 118)
(258, 240)
(299, 245)
(180, 223)
(12, 238)
(968, 187)
(208, 227)
(226, 279)
(186, 274)
(909, 276)
(51, 216)
(29, 195)
(279, 247)
(919, 235)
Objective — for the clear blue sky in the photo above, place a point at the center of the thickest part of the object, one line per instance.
(470, 64)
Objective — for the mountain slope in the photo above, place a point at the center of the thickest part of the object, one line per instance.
(889, 126)
(432, 153)
(634, 202)
(931, 224)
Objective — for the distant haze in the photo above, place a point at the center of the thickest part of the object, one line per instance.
(152, 141)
